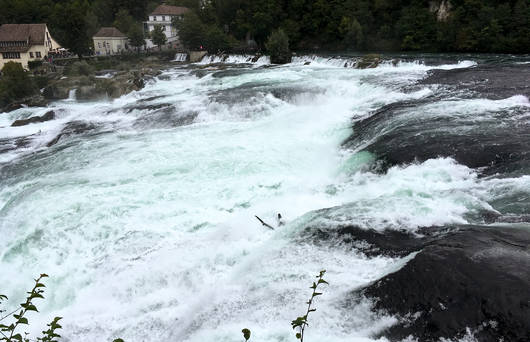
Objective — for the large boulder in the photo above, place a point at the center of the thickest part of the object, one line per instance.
(471, 278)
(35, 119)
(30, 101)
(369, 61)
(56, 91)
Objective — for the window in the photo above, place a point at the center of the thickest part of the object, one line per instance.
(11, 55)
(163, 18)
(154, 18)
(38, 54)
(31, 55)
(99, 45)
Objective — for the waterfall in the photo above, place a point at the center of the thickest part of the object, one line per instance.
(180, 57)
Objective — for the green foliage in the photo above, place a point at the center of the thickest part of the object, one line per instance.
(136, 36)
(352, 31)
(124, 21)
(9, 332)
(80, 68)
(472, 25)
(194, 34)
(301, 322)
(15, 83)
(246, 334)
(278, 47)
(158, 36)
(34, 64)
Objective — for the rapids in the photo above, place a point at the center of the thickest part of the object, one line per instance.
(142, 212)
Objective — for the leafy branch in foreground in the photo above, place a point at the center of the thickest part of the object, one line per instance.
(301, 322)
(8, 332)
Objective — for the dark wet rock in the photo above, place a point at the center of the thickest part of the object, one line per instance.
(393, 243)
(368, 62)
(30, 101)
(307, 63)
(166, 117)
(56, 92)
(487, 81)
(35, 119)
(466, 277)
(281, 59)
(72, 128)
(255, 58)
(90, 92)
(12, 106)
(396, 136)
(148, 107)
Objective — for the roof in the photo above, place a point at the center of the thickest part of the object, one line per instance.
(34, 33)
(170, 10)
(109, 32)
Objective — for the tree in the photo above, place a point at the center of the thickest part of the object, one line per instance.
(278, 47)
(124, 21)
(15, 83)
(70, 26)
(158, 36)
(352, 32)
(136, 36)
(194, 34)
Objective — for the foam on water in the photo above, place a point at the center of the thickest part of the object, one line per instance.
(149, 233)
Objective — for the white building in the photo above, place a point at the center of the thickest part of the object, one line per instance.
(163, 16)
(22, 43)
(109, 41)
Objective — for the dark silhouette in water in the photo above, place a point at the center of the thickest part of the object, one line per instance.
(264, 223)
(280, 220)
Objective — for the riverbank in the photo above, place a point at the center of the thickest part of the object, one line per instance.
(92, 78)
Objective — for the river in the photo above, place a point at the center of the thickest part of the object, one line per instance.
(143, 212)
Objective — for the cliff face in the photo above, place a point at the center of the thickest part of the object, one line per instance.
(442, 8)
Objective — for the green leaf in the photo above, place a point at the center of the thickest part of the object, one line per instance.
(118, 340)
(317, 294)
(312, 310)
(298, 336)
(314, 286)
(322, 281)
(44, 275)
(17, 337)
(246, 334)
(22, 320)
(31, 307)
(39, 285)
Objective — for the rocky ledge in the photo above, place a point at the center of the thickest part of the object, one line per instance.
(463, 279)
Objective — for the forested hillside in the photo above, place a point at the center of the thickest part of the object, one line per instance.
(426, 25)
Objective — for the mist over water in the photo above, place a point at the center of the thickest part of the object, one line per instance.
(143, 212)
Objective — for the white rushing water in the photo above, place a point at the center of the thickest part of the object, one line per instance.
(147, 228)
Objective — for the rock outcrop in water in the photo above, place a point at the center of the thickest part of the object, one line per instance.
(474, 278)
(463, 277)
(495, 138)
(35, 119)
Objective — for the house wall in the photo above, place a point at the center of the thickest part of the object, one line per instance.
(31, 55)
(35, 52)
(109, 45)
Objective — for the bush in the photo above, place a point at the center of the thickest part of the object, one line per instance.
(34, 64)
(278, 47)
(15, 84)
(10, 333)
(81, 68)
